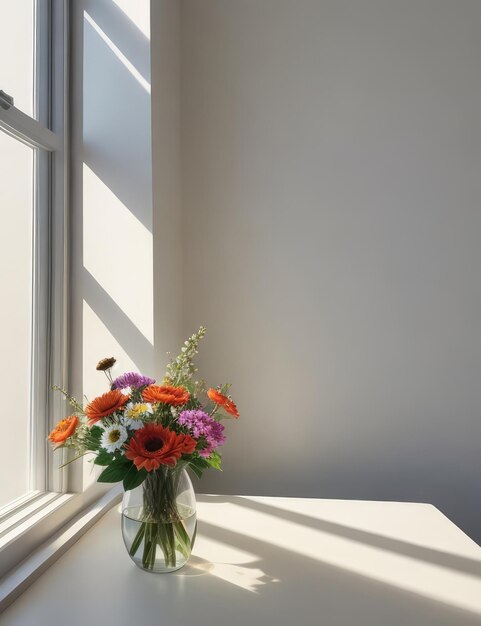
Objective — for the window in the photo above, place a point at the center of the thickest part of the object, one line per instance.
(17, 41)
(33, 166)
(16, 259)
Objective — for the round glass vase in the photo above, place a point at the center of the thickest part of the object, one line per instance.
(159, 520)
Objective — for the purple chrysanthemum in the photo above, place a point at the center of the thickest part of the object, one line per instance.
(132, 379)
(202, 425)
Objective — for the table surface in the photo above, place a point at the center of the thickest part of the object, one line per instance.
(282, 561)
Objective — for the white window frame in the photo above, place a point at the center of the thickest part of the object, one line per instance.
(47, 131)
(28, 522)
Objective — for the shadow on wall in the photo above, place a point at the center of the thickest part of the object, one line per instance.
(117, 122)
(114, 227)
(114, 306)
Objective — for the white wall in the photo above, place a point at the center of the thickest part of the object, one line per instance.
(331, 156)
(112, 308)
(167, 198)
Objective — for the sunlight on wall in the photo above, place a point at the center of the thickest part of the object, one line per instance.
(98, 343)
(118, 53)
(112, 213)
(138, 12)
(114, 238)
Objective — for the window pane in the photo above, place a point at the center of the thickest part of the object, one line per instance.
(16, 236)
(17, 52)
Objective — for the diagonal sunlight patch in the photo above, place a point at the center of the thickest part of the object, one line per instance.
(230, 564)
(430, 580)
(120, 327)
(97, 343)
(118, 252)
(382, 520)
(246, 577)
(118, 53)
(138, 12)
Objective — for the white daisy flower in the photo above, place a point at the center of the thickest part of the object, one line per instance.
(113, 437)
(134, 413)
(126, 391)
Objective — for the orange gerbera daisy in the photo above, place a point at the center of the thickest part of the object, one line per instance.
(153, 446)
(223, 401)
(166, 394)
(63, 430)
(104, 405)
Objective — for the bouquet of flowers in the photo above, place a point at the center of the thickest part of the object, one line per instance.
(146, 434)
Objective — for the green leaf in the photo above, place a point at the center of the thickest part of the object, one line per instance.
(94, 435)
(115, 471)
(134, 477)
(196, 470)
(198, 465)
(103, 458)
(215, 461)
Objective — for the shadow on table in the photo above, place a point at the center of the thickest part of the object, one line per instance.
(292, 588)
(447, 560)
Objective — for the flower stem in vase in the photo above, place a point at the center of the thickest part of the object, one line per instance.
(161, 525)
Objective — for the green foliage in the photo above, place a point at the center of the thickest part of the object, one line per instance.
(196, 470)
(116, 468)
(94, 436)
(72, 401)
(215, 461)
(103, 458)
(198, 465)
(134, 477)
(181, 369)
(116, 471)
(121, 469)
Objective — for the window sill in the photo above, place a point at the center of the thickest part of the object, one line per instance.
(21, 542)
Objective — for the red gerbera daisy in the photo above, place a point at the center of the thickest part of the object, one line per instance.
(63, 430)
(223, 401)
(153, 446)
(166, 394)
(104, 405)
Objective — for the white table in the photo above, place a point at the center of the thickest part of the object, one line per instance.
(266, 561)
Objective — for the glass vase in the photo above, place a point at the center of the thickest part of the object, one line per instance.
(159, 520)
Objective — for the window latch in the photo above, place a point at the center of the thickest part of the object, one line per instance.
(6, 101)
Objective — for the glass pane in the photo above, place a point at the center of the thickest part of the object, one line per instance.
(16, 233)
(17, 52)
